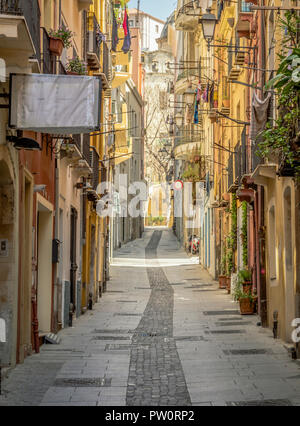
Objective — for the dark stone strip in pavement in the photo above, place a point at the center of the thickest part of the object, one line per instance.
(156, 376)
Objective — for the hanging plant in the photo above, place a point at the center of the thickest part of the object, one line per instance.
(63, 34)
(283, 136)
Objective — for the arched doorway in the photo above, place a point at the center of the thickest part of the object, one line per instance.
(8, 276)
(288, 263)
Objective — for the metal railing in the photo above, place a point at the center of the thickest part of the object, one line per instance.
(31, 11)
(86, 148)
(95, 166)
(230, 171)
(188, 8)
(48, 60)
(105, 61)
(240, 162)
(93, 41)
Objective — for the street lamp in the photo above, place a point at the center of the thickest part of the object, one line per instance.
(189, 96)
(208, 22)
(178, 120)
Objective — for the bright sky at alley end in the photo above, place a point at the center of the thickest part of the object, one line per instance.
(161, 9)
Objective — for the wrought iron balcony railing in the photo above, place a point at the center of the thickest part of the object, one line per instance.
(95, 167)
(93, 41)
(48, 60)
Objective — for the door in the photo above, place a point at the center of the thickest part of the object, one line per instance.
(73, 257)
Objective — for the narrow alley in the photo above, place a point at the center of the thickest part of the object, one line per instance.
(163, 334)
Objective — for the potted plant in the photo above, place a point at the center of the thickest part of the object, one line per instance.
(244, 278)
(76, 67)
(247, 303)
(222, 277)
(247, 300)
(59, 39)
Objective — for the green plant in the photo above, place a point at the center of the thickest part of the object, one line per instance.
(229, 256)
(282, 137)
(64, 34)
(234, 221)
(244, 275)
(191, 174)
(77, 66)
(244, 233)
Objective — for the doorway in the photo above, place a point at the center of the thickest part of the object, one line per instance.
(73, 256)
(44, 262)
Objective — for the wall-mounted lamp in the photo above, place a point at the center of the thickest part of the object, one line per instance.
(189, 96)
(24, 143)
(208, 22)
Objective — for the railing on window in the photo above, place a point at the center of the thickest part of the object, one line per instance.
(244, 6)
(230, 171)
(95, 166)
(77, 141)
(240, 161)
(86, 148)
(188, 8)
(105, 61)
(48, 60)
(31, 11)
(93, 35)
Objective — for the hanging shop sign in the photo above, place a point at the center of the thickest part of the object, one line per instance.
(55, 104)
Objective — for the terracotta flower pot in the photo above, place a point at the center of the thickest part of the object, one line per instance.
(56, 46)
(246, 306)
(247, 287)
(72, 73)
(228, 284)
(222, 282)
(245, 195)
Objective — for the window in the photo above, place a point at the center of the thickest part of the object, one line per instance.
(131, 23)
(156, 29)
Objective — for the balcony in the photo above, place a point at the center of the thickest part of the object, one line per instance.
(20, 29)
(184, 81)
(94, 177)
(187, 17)
(234, 69)
(241, 159)
(81, 157)
(244, 19)
(93, 42)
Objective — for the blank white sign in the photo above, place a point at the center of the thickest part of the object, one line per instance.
(55, 104)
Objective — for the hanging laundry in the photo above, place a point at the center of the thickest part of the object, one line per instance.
(115, 37)
(127, 39)
(259, 115)
(196, 112)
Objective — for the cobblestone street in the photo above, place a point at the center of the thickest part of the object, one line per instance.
(163, 334)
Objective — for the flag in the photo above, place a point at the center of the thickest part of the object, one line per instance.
(196, 110)
(127, 39)
(115, 37)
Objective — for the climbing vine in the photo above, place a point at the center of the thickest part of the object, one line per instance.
(282, 136)
(244, 234)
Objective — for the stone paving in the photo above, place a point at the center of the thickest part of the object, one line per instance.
(163, 334)
(155, 373)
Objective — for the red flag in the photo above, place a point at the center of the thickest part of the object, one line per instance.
(125, 23)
